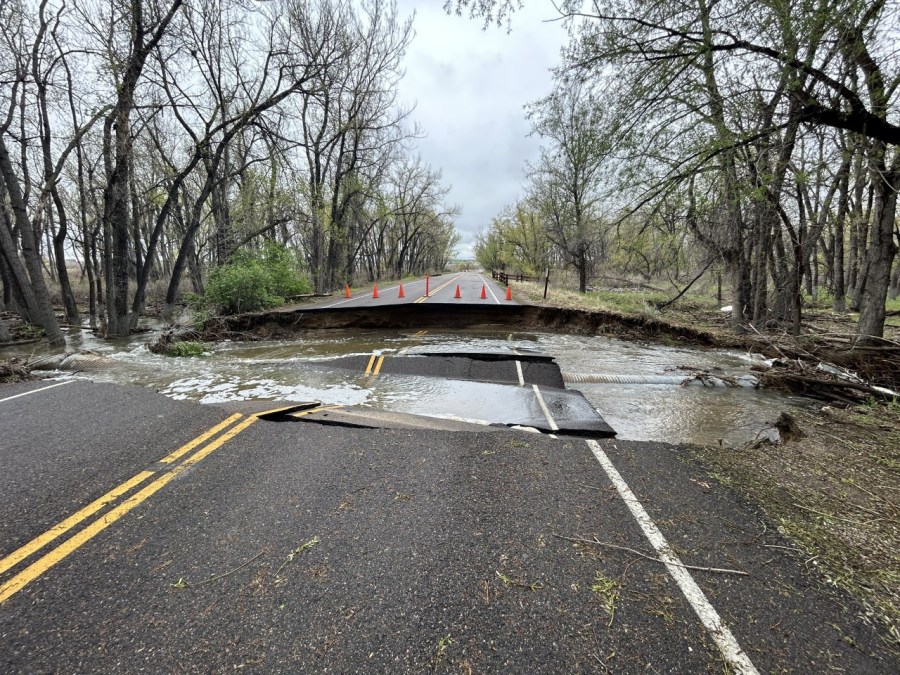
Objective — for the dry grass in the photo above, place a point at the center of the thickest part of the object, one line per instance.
(836, 494)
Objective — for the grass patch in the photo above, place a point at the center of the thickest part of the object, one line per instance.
(607, 592)
(632, 302)
(836, 495)
(893, 305)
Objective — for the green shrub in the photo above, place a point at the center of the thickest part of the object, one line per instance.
(240, 287)
(254, 281)
(281, 266)
(186, 348)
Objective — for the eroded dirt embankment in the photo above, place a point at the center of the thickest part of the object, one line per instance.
(282, 323)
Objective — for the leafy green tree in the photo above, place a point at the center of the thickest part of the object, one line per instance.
(565, 184)
(738, 105)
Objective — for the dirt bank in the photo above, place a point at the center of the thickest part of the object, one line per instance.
(285, 322)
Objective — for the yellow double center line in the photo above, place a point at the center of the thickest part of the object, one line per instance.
(315, 411)
(48, 560)
(437, 290)
(376, 361)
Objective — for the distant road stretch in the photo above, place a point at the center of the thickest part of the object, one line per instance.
(440, 289)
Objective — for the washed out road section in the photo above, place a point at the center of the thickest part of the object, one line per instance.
(509, 389)
(300, 547)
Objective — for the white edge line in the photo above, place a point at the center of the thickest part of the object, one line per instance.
(34, 391)
(519, 373)
(489, 289)
(710, 619)
(540, 400)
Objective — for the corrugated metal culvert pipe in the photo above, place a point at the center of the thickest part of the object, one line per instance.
(676, 380)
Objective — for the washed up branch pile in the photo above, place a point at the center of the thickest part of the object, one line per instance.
(13, 371)
(837, 372)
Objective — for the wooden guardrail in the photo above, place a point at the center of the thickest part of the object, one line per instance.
(504, 277)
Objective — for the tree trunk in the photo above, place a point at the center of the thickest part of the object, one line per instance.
(894, 290)
(4, 329)
(62, 272)
(581, 266)
(17, 288)
(879, 255)
(117, 225)
(42, 309)
(837, 250)
(187, 244)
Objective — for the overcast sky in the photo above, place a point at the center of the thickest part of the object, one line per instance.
(469, 86)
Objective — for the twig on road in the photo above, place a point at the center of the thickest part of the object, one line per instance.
(717, 570)
(181, 583)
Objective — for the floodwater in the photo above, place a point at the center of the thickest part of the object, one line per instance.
(294, 370)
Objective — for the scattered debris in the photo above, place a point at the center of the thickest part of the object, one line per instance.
(596, 542)
(165, 343)
(14, 371)
(182, 583)
(788, 429)
(293, 554)
(519, 583)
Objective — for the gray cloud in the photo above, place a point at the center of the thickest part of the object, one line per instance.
(469, 86)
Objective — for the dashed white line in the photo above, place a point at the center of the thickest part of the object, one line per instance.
(728, 646)
(34, 391)
(519, 373)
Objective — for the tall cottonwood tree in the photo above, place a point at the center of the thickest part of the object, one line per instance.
(351, 123)
(131, 33)
(718, 100)
(34, 56)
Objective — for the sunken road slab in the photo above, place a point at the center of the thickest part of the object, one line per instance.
(495, 388)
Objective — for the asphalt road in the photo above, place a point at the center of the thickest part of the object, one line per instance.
(295, 547)
(441, 289)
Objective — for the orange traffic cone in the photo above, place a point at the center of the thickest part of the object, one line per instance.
(375, 290)
(401, 294)
(483, 292)
(347, 291)
(508, 293)
(457, 296)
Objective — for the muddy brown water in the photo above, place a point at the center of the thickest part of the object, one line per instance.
(293, 370)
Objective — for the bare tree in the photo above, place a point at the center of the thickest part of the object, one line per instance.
(566, 181)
